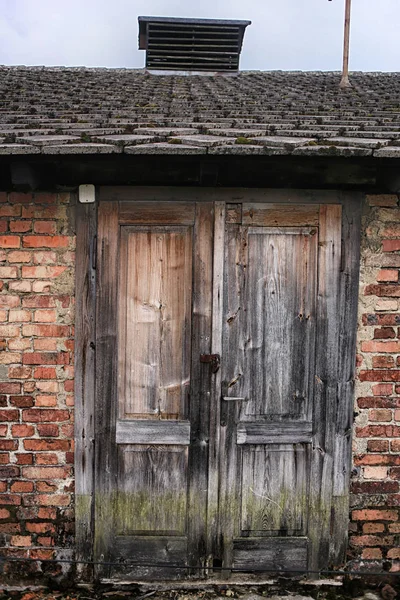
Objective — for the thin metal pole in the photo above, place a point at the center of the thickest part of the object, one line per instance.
(345, 83)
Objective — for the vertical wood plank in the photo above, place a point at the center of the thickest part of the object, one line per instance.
(200, 391)
(351, 233)
(85, 293)
(326, 384)
(106, 380)
(216, 348)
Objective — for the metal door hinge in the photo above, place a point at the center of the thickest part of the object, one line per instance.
(213, 359)
(94, 252)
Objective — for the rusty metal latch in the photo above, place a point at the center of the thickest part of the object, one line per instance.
(213, 359)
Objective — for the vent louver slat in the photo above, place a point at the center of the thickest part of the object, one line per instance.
(191, 44)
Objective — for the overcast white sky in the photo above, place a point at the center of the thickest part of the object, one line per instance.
(285, 34)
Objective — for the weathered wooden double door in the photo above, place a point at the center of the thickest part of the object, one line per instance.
(217, 348)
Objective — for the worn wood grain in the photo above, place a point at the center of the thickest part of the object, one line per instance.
(286, 432)
(155, 321)
(152, 496)
(215, 406)
(85, 305)
(106, 380)
(146, 213)
(152, 432)
(282, 215)
(169, 554)
(272, 555)
(326, 383)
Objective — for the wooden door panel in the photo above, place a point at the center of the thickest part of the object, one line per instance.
(155, 322)
(274, 490)
(279, 320)
(280, 358)
(152, 490)
(151, 505)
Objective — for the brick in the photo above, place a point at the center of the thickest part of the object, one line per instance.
(383, 362)
(19, 372)
(53, 499)
(8, 471)
(45, 198)
(46, 227)
(9, 415)
(45, 330)
(380, 414)
(45, 373)
(371, 554)
(386, 305)
(47, 386)
(382, 389)
(388, 275)
(18, 256)
(372, 540)
(380, 375)
(45, 541)
(46, 459)
(12, 499)
(384, 333)
(39, 415)
(40, 527)
(41, 272)
(46, 487)
(383, 290)
(378, 445)
(374, 487)
(39, 554)
(41, 241)
(22, 486)
(45, 316)
(384, 346)
(22, 401)
(24, 459)
(22, 430)
(48, 257)
(7, 387)
(17, 226)
(8, 272)
(20, 198)
(3, 227)
(4, 513)
(40, 287)
(373, 528)
(48, 212)
(39, 358)
(48, 430)
(7, 358)
(20, 286)
(40, 302)
(385, 320)
(21, 540)
(375, 473)
(49, 344)
(390, 245)
(47, 513)
(10, 211)
(19, 316)
(45, 400)
(48, 444)
(45, 472)
(10, 241)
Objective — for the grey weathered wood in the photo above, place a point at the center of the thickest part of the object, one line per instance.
(351, 233)
(274, 490)
(281, 215)
(106, 380)
(216, 348)
(201, 382)
(151, 497)
(272, 555)
(85, 293)
(141, 553)
(217, 194)
(182, 213)
(326, 384)
(152, 432)
(283, 432)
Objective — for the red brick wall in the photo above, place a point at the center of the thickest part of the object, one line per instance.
(36, 373)
(375, 526)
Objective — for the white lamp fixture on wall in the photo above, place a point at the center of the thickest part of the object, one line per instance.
(87, 193)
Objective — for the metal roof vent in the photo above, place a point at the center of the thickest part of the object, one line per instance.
(202, 46)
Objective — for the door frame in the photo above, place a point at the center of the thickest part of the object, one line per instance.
(85, 351)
